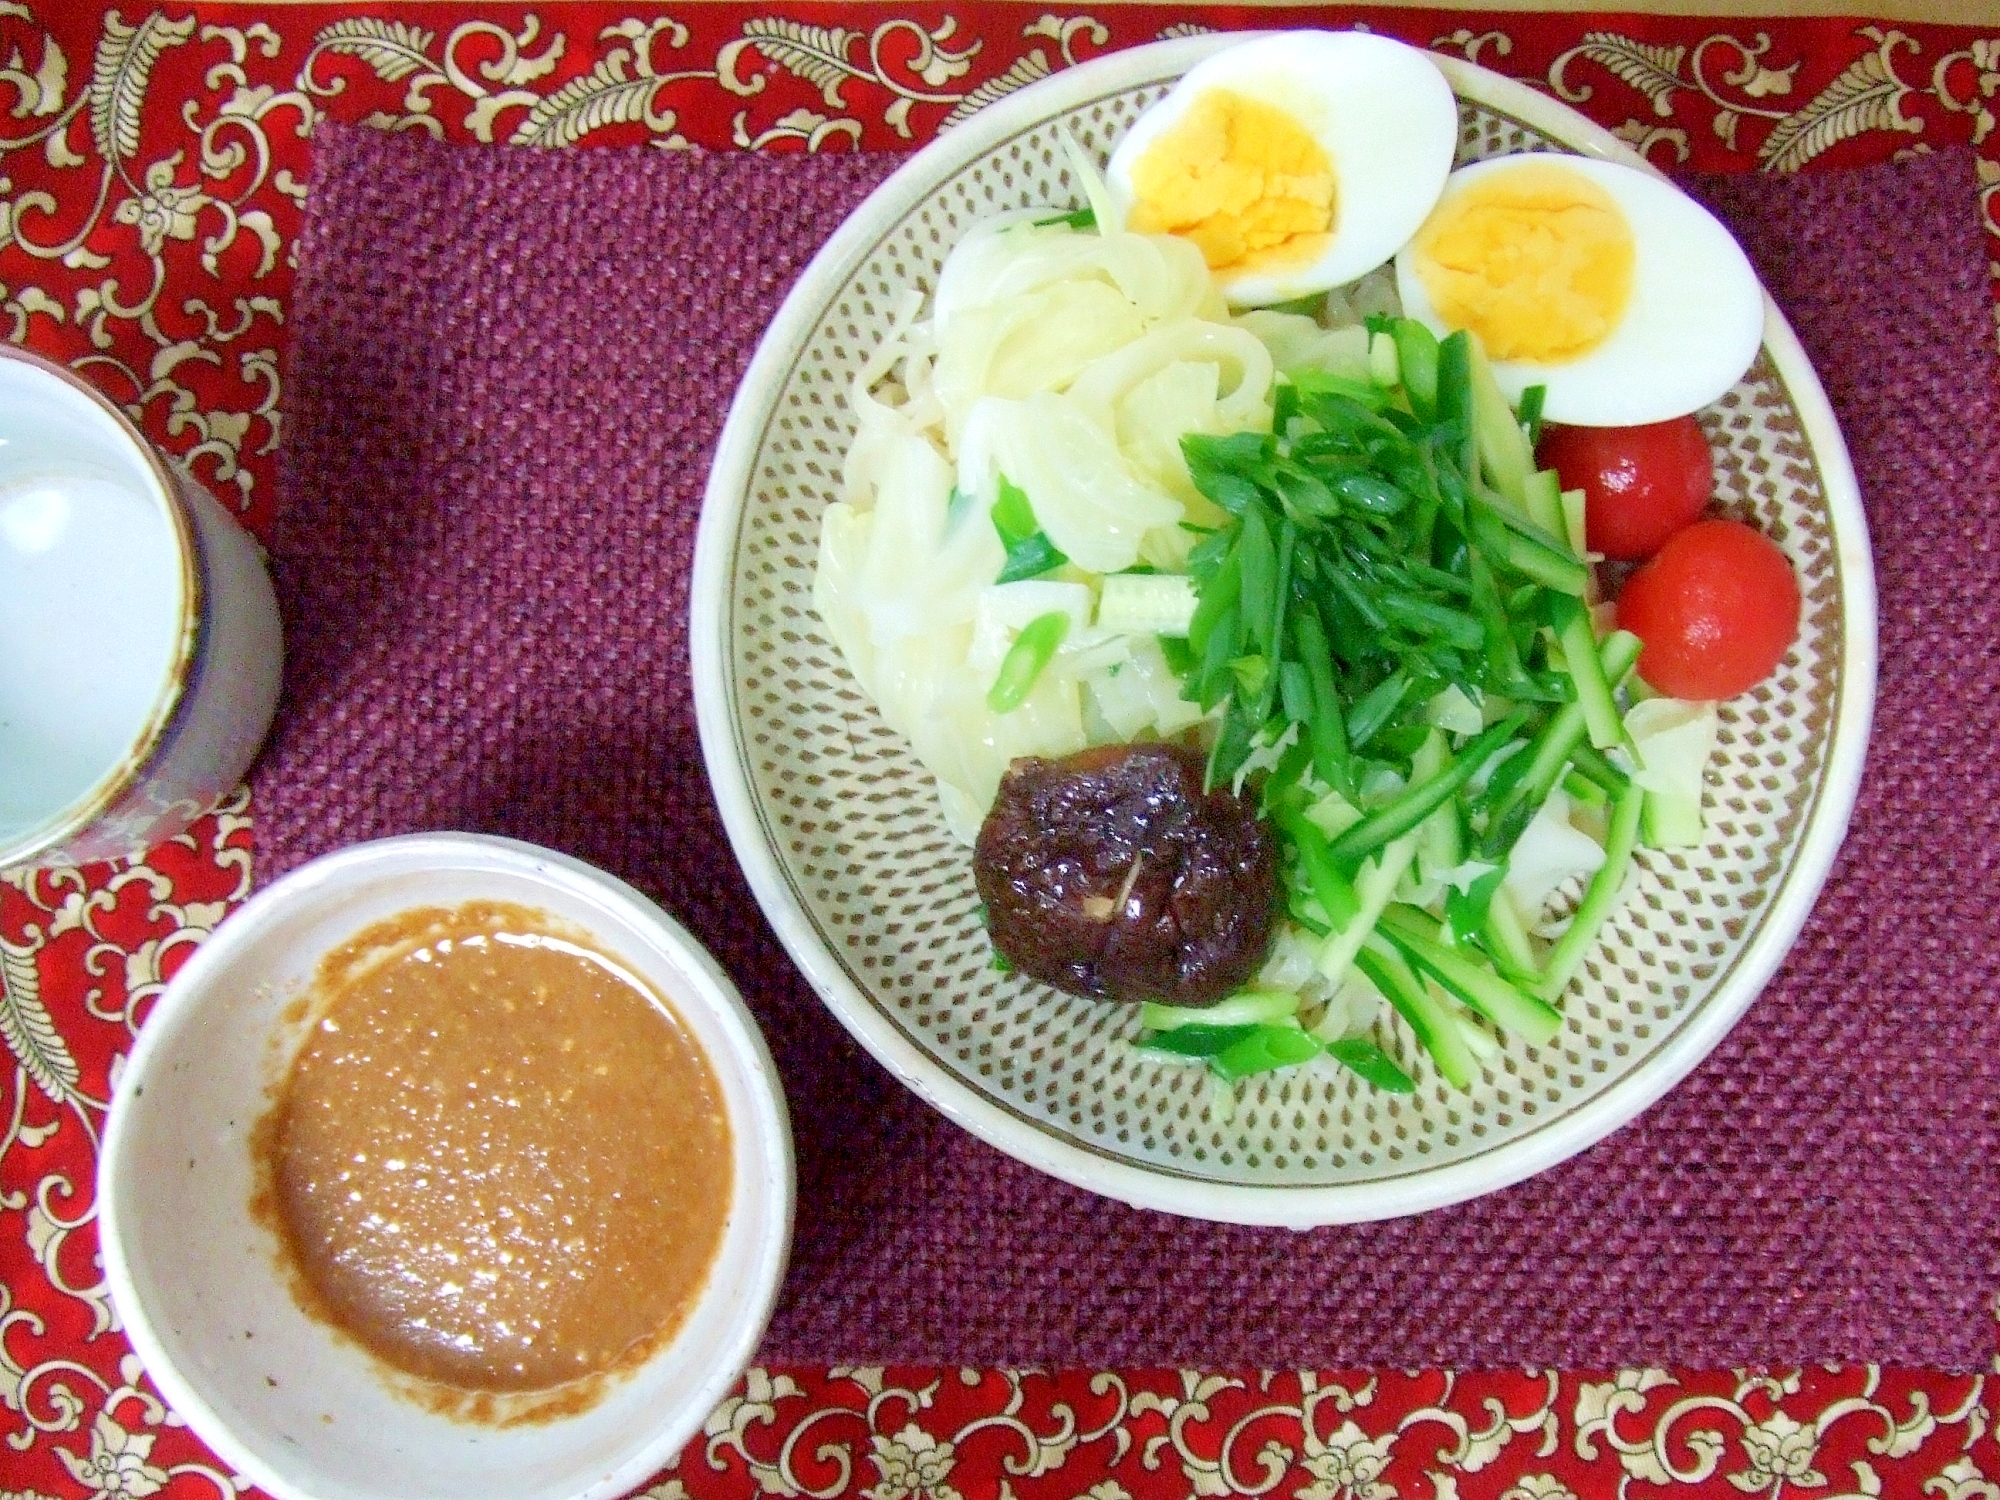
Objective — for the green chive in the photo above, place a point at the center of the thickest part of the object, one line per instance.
(1033, 649)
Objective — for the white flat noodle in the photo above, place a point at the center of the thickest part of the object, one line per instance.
(844, 534)
(1299, 343)
(1162, 277)
(1036, 342)
(1087, 499)
(1151, 417)
(1103, 206)
(922, 571)
(1244, 371)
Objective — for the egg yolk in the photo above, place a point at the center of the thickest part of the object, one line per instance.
(1242, 180)
(1537, 261)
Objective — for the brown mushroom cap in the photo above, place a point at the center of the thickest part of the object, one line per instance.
(1111, 873)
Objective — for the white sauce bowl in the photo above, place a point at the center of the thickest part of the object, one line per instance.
(303, 1411)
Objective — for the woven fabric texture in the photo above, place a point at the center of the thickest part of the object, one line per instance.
(508, 372)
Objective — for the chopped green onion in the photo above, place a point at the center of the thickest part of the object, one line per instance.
(1033, 649)
(1418, 802)
(1531, 412)
(1029, 551)
(1375, 1066)
(1197, 1039)
(1263, 1049)
(1417, 363)
(1078, 219)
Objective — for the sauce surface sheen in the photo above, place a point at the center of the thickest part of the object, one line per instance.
(498, 1161)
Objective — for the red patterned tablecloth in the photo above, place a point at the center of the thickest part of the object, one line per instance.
(151, 173)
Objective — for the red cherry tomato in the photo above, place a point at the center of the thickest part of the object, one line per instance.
(1715, 610)
(1640, 484)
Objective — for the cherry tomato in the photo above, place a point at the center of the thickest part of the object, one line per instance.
(1640, 484)
(1715, 610)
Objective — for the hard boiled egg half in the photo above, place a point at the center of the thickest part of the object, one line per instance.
(1296, 161)
(1606, 285)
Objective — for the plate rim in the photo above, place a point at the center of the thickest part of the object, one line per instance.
(1298, 1207)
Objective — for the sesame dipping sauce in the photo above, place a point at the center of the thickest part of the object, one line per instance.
(498, 1161)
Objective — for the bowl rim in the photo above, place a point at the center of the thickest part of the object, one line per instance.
(711, 609)
(181, 1005)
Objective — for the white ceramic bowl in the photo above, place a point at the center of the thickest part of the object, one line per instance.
(305, 1413)
(839, 831)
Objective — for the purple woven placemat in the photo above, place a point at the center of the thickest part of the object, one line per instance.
(508, 371)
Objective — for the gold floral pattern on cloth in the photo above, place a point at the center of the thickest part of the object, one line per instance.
(152, 173)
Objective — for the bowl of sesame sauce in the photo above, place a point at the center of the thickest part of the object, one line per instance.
(451, 1167)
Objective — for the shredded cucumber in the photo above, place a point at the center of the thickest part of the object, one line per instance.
(1146, 603)
(1244, 1008)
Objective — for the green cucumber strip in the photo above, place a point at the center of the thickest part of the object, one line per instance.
(1671, 822)
(1374, 887)
(1506, 942)
(1263, 1050)
(1146, 603)
(1543, 563)
(1582, 789)
(1585, 665)
(1244, 1008)
(1033, 649)
(1418, 802)
(1543, 493)
(1440, 837)
(1595, 766)
(1573, 521)
(1549, 752)
(1600, 899)
(1504, 453)
(1334, 892)
(1527, 1016)
(1375, 1066)
(1437, 1030)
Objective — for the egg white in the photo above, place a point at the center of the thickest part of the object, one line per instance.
(1691, 328)
(1380, 110)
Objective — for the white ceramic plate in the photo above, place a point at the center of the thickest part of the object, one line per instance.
(840, 834)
